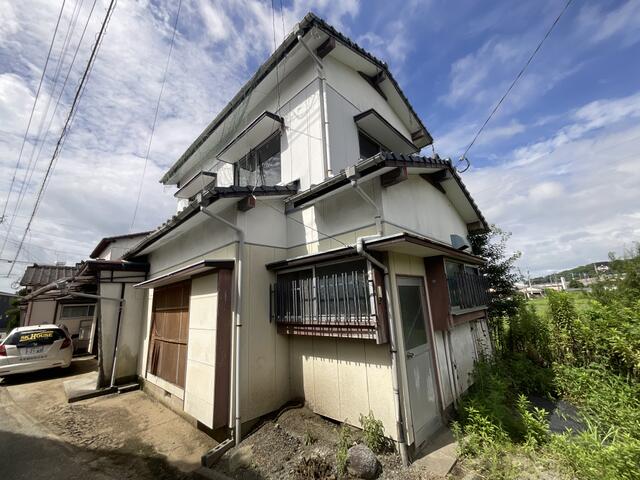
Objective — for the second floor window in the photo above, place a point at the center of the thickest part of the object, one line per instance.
(261, 166)
(368, 146)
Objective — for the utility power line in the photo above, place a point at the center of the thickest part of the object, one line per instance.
(33, 109)
(42, 140)
(155, 118)
(67, 124)
(520, 73)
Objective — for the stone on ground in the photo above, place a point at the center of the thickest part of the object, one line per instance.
(362, 462)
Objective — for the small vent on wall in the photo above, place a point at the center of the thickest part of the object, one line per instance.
(459, 243)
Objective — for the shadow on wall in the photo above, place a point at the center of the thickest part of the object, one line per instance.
(35, 458)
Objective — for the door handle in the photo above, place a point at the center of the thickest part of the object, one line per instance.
(410, 354)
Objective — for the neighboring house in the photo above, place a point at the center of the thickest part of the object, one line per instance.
(73, 304)
(5, 304)
(314, 255)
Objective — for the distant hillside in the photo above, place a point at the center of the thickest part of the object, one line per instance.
(577, 272)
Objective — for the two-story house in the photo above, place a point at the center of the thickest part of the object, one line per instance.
(315, 254)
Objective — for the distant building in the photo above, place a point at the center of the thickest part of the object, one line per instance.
(5, 304)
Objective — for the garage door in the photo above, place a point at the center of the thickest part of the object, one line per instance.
(169, 332)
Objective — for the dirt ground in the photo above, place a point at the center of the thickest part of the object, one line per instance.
(128, 436)
(299, 445)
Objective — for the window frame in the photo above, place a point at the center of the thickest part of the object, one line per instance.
(381, 146)
(253, 152)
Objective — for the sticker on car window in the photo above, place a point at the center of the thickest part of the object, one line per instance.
(35, 336)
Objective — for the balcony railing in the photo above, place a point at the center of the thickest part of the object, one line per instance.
(468, 290)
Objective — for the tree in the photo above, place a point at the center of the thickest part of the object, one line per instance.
(576, 283)
(501, 275)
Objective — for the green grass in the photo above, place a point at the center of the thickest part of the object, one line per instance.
(580, 300)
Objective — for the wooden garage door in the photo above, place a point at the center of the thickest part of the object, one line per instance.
(169, 332)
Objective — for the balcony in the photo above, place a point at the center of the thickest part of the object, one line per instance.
(468, 291)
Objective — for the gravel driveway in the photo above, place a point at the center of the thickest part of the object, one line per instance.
(128, 436)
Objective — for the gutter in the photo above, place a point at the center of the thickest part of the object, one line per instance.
(395, 370)
(370, 201)
(238, 324)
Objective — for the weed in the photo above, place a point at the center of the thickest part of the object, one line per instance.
(309, 438)
(535, 423)
(344, 443)
(373, 431)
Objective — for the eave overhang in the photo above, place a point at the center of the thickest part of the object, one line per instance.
(374, 125)
(255, 134)
(384, 162)
(421, 246)
(404, 242)
(198, 183)
(200, 268)
(221, 198)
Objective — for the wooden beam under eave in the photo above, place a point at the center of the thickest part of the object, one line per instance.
(247, 203)
(326, 47)
(436, 179)
(392, 177)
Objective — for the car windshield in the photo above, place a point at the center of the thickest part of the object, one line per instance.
(30, 338)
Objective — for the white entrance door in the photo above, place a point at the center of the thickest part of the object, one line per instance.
(423, 398)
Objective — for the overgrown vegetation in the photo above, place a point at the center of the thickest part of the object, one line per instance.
(586, 353)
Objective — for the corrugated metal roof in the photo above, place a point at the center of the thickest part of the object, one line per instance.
(40, 275)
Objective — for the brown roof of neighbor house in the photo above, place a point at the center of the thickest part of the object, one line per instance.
(106, 241)
(39, 275)
(308, 22)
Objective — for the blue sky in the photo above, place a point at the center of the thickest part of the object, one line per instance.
(557, 166)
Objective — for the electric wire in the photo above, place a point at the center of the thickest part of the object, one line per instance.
(518, 76)
(31, 167)
(33, 108)
(63, 133)
(155, 118)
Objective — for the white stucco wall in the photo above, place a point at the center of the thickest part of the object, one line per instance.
(301, 145)
(416, 206)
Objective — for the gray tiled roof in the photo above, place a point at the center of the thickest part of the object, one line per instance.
(40, 275)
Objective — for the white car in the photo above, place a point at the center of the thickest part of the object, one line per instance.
(27, 349)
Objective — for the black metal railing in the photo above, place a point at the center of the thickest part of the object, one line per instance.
(468, 290)
(338, 299)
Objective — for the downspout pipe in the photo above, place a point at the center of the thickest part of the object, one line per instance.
(238, 322)
(324, 120)
(393, 346)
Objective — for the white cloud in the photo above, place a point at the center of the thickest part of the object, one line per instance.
(94, 186)
(571, 198)
(597, 25)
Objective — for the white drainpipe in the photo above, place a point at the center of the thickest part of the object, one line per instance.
(324, 119)
(238, 323)
(393, 346)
